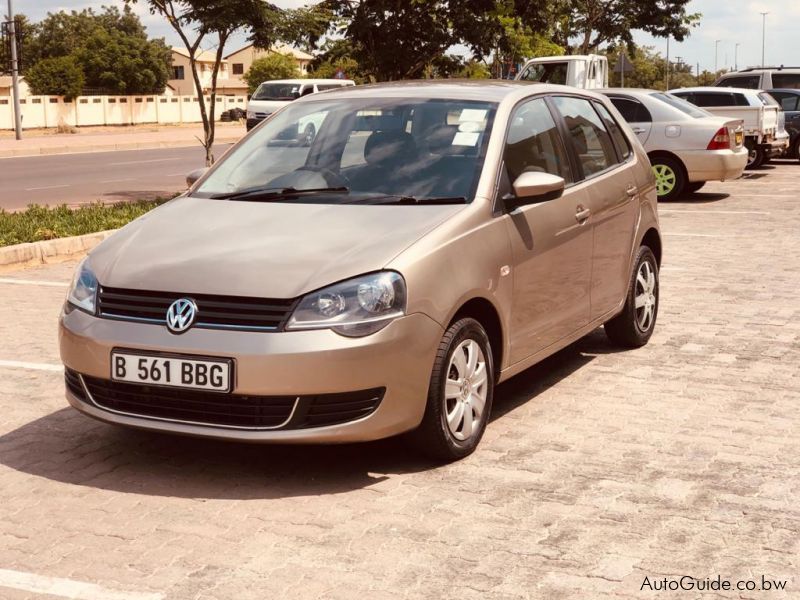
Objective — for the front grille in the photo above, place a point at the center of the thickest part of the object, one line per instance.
(194, 406)
(225, 410)
(213, 312)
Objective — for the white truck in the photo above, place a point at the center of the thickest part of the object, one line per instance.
(765, 135)
(588, 72)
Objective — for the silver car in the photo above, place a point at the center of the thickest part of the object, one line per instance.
(687, 145)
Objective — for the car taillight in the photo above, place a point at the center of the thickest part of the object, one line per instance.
(721, 140)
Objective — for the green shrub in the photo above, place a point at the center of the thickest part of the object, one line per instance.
(272, 66)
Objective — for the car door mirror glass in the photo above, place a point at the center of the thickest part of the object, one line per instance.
(192, 177)
(535, 186)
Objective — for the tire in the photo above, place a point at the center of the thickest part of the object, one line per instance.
(670, 178)
(435, 437)
(309, 133)
(756, 156)
(694, 187)
(631, 329)
(795, 151)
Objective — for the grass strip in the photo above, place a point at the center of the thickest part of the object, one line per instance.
(38, 223)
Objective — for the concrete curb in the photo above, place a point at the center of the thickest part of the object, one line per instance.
(37, 253)
(111, 147)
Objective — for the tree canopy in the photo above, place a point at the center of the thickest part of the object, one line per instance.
(59, 75)
(273, 66)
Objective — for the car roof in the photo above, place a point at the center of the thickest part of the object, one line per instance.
(718, 90)
(487, 90)
(794, 91)
(313, 81)
(632, 91)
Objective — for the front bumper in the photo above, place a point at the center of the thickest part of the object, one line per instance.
(714, 165)
(399, 358)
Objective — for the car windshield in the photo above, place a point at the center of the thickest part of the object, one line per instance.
(359, 150)
(276, 91)
(682, 105)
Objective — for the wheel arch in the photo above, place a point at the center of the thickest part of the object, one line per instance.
(655, 154)
(483, 311)
(652, 239)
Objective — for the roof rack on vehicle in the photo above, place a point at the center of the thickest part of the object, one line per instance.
(766, 68)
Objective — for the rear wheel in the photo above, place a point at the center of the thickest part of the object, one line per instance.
(694, 187)
(460, 394)
(634, 326)
(755, 156)
(670, 180)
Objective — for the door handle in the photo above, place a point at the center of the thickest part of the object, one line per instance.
(582, 214)
(638, 130)
(632, 190)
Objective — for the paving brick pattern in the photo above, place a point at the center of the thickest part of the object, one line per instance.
(600, 467)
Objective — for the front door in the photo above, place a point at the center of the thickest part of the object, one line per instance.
(551, 241)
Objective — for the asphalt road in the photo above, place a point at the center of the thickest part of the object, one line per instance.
(99, 176)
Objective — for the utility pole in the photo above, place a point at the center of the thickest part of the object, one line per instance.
(736, 58)
(12, 33)
(668, 64)
(763, 38)
(716, 57)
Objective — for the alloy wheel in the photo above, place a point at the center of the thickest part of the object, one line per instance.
(666, 179)
(465, 390)
(645, 297)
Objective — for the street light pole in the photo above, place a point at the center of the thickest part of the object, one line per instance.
(14, 71)
(736, 58)
(668, 65)
(763, 38)
(716, 57)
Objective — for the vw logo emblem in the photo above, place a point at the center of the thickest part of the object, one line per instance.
(181, 315)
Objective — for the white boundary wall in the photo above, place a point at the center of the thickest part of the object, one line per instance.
(50, 111)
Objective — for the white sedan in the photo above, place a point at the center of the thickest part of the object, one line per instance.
(687, 146)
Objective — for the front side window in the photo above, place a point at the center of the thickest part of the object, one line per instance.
(789, 102)
(789, 81)
(710, 99)
(752, 82)
(534, 144)
(546, 73)
(361, 150)
(590, 138)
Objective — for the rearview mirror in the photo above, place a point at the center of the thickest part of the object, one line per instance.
(535, 186)
(195, 175)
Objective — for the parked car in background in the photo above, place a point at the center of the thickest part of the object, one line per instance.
(790, 102)
(756, 78)
(588, 72)
(339, 293)
(273, 95)
(687, 146)
(764, 135)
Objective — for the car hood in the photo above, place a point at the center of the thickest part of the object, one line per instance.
(260, 249)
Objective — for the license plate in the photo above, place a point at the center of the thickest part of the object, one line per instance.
(172, 371)
(739, 138)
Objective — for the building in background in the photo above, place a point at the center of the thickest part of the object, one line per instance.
(241, 60)
(5, 87)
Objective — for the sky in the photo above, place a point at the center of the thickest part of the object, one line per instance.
(730, 21)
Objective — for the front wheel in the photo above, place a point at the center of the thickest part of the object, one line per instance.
(670, 179)
(460, 394)
(634, 326)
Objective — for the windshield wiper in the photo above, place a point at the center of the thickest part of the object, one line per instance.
(400, 199)
(277, 193)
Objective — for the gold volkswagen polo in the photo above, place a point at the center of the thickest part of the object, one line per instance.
(431, 240)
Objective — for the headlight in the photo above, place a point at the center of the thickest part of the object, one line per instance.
(356, 307)
(251, 114)
(83, 291)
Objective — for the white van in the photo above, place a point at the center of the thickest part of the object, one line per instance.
(272, 95)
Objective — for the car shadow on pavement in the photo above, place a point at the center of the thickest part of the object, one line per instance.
(68, 447)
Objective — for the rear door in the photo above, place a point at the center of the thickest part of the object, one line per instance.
(636, 115)
(608, 172)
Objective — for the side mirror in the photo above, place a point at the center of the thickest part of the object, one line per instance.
(295, 94)
(533, 187)
(192, 177)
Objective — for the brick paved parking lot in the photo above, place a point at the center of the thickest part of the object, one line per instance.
(599, 469)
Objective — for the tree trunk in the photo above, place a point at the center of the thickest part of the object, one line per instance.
(210, 132)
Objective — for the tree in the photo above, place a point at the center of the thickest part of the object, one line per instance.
(597, 22)
(337, 55)
(474, 69)
(196, 20)
(59, 76)
(649, 69)
(273, 66)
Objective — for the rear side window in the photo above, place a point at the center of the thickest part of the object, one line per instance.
(534, 144)
(620, 140)
(789, 81)
(632, 111)
(588, 134)
(752, 82)
(789, 102)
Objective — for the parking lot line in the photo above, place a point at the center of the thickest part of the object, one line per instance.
(12, 281)
(702, 235)
(32, 366)
(700, 211)
(67, 588)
